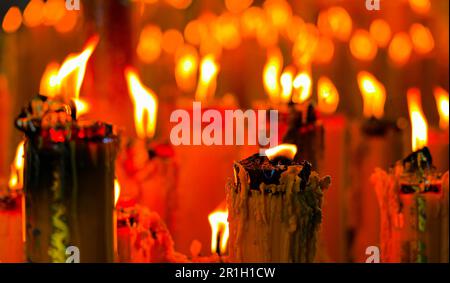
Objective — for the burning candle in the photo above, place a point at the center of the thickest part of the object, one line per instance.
(265, 200)
(413, 198)
(220, 232)
(145, 164)
(334, 237)
(11, 212)
(370, 137)
(69, 172)
(438, 137)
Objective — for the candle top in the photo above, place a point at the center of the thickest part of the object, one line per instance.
(262, 170)
(55, 121)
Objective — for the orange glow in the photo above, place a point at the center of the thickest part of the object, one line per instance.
(294, 28)
(327, 96)
(195, 31)
(186, 66)
(305, 45)
(400, 48)
(286, 80)
(441, 97)
(226, 31)
(207, 82)
(33, 13)
(335, 22)
(422, 39)
(145, 105)
(218, 220)
(16, 178)
(150, 43)
(54, 11)
(373, 93)
(179, 4)
(279, 12)
(420, 6)
(419, 125)
(380, 32)
(271, 73)
(171, 40)
(50, 85)
(324, 51)
(267, 35)
(237, 6)
(81, 106)
(285, 150)
(302, 87)
(363, 46)
(116, 191)
(68, 22)
(253, 19)
(12, 20)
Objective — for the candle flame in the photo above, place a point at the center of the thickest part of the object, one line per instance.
(207, 82)
(218, 220)
(441, 97)
(145, 102)
(50, 85)
(271, 73)
(75, 64)
(419, 125)
(283, 150)
(286, 81)
(16, 177)
(116, 191)
(302, 86)
(66, 80)
(373, 93)
(328, 96)
(186, 67)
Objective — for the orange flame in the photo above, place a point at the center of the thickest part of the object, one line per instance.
(186, 67)
(50, 84)
(218, 220)
(328, 96)
(441, 97)
(66, 80)
(422, 38)
(75, 64)
(374, 95)
(208, 75)
(286, 81)
(302, 86)
(116, 191)
(283, 150)
(16, 178)
(420, 6)
(419, 125)
(363, 46)
(145, 101)
(271, 73)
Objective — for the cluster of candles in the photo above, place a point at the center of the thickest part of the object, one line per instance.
(149, 174)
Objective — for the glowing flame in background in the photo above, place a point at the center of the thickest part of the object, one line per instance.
(419, 125)
(373, 93)
(327, 96)
(116, 191)
(286, 81)
(441, 97)
(302, 87)
(145, 105)
(271, 74)
(283, 150)
(206, 87)
(218, 220)
(16, 177)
